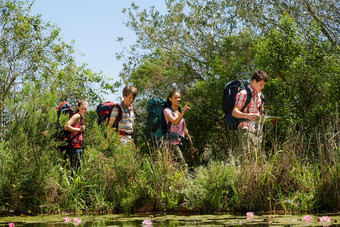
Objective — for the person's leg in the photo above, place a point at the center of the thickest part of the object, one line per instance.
(75, 156)
(247, 142)
(78, 154)
(178, 154)
(242, 146)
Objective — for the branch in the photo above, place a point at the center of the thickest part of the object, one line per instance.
(317, 19)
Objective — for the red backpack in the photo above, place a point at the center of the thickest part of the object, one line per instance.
(63, 135)
(104, 111)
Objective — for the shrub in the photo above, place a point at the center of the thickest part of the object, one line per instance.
(210, 188)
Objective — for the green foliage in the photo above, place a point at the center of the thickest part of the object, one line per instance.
(205, 119)
(178, 46)
(300, 73)
(31, 51)
(115, 177)
(197, 47)
(210, 188)
(27, 158)
(162, 180)
(264, 15)
(298, 53)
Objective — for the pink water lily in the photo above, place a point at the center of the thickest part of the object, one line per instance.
(67, 219)
(147, 222)
(250, 214)
(307, 218)
(78, 220)
(11, 224)
(324, 219)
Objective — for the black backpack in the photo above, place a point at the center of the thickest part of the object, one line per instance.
(104, 111)
(62, 135)
(229, 98)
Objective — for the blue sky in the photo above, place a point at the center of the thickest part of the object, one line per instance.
(95, 27)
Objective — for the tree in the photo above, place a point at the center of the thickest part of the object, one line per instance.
(217, 41)
(32, 51)
(263, 15)
(304, 74)
(24, 47)
(190, 34)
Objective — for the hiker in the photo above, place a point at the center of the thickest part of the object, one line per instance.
(76, 125)
(174, 114)
(248, 130)
(126, 125)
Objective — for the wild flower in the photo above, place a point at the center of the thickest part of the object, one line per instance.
(324, 219)
(11, 224)
(67, 219)
(147, 222)
(307, 218)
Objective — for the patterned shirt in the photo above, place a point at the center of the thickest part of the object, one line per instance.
(253, 107)
(125, 125)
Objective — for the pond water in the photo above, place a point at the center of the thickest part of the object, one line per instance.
(169, 220)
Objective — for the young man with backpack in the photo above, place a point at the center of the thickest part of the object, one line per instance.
(126, 125)
(248, 130)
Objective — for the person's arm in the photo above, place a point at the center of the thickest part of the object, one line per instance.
(111, 121)
(239, 104)
(176, 121)
(113, 116)
(135, 136)
(75, 119)
(237, 112)
(192, 148)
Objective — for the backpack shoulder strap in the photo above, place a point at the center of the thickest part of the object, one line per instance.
(249, 96)
(263, 100)
(169, 122)
(119, 117)
(82, 122)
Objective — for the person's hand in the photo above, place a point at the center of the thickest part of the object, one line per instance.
(193, 150)
(253, 117)
(186, 107)
(82, 128)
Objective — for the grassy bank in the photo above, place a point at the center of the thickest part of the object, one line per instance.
(117, 178)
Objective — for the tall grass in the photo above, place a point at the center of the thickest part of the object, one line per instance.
(163, 179)
(116, 177)
(210, 188)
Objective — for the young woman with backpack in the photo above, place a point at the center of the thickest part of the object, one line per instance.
(76, 125)
(175, 115)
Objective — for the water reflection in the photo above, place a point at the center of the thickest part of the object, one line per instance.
(169, 220)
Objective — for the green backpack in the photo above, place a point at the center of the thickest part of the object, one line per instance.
(157, 129)
(156, 126)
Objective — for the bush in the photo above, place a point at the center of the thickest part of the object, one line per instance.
(210, 188)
